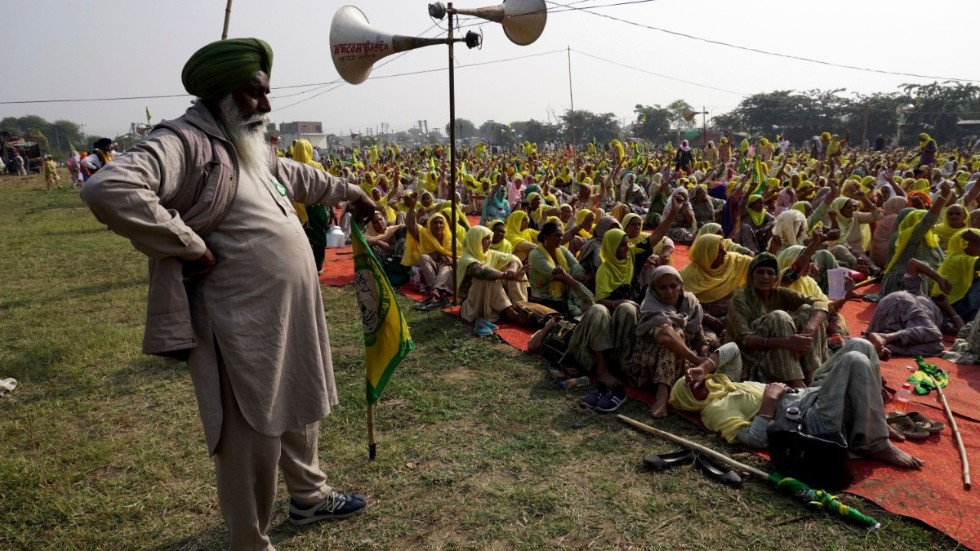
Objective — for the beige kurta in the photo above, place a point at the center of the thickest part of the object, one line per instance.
(261, 305)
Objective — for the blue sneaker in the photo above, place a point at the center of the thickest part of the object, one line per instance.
(611, 401)
(486, 323)
(334, 507)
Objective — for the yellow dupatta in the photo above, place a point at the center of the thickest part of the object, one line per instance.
(429, 244)
(958, 268)
(804, 285)
(556, 288)
(473, 254)
(727, 408)
(514, 233)
(757, 217)
(613, 272)
(504, 246)
(713, 284)
(905, 230)
(580, 217)
(944, 231)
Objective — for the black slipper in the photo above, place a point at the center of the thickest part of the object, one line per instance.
(663, 461)
(717, 472)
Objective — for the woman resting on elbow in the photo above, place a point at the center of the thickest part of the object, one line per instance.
(781, 333)
(846, 397)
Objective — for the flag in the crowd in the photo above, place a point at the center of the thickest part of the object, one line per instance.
(71, 147)
(386, 336)
(758, 176)
(147, 115)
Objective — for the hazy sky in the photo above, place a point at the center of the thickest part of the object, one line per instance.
(122, 48)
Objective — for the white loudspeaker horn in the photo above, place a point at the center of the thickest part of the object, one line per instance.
(688, 113)
(355, 45)
(523, 20)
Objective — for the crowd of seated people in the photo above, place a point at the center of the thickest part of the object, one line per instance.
(589, 237)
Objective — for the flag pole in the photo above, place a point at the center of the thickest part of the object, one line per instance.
(372, 444)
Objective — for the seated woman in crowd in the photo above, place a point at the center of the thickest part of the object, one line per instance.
(915, 239)
(960, 270)
(781, 333)
(884, 230)
(685, 224)
(499, 242)
(601, 344)
(387, 242)
(556, 278)
(518, 233)
(954, 220)
(669, 337)
(755, 224)
(706, 208)
(851, 248)
(614, 278)
(588, 254)
(645, 247)
(713, 276)
(495, 204)
(908, 322)
(488, 282)
(430, 248)
(795, 267)
(845, 397)
(714, 228)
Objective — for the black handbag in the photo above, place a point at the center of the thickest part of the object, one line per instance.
(555, 345)
(819, 460)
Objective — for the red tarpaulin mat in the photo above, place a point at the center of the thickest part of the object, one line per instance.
(338, 267)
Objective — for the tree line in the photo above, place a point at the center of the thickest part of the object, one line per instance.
(936, 109)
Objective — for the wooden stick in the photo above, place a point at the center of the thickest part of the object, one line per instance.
(956, 434)
(372, 444)
(695, 446)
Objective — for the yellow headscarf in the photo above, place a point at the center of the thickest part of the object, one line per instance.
(905, 230)
(514, 234)
(580, 217)
(958, 268)
(463, 224)
(757, 217)
(619, 211)
(712, 284)
(428, 244)
(944, 231)
(473, 253)
(504, 246)
(727, 408)
(613, 272)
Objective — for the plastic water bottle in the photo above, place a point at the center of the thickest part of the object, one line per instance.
(572, 383)
(902, 398)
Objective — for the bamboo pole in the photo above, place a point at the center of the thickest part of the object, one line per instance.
(956, 435)
(224, 31)
(718, 456)
(372, 445)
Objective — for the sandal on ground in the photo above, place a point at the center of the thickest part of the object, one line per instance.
(423, 304)
(486, 323)
(717, 472)
(905, 425)
(925, 423)
(663, 461)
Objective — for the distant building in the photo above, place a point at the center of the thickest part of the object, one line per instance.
(306, 130)
(301, 127)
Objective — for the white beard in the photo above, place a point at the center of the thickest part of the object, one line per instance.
(248, 137)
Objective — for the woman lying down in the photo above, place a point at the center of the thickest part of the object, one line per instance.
(845, 396)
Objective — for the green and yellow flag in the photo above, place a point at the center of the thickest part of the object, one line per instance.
(386, 336)
(147, 115)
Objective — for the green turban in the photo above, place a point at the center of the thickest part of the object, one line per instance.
(220, 67)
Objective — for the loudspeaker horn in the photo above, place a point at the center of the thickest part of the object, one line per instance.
(523, 20)
(355, 46)
(688, 113)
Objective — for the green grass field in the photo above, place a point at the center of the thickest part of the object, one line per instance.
(477, 447)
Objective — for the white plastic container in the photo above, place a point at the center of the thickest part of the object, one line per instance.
(335, 237)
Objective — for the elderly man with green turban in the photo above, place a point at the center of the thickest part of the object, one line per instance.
(233, 288)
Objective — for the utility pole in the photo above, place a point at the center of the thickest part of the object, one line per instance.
(571, 98)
